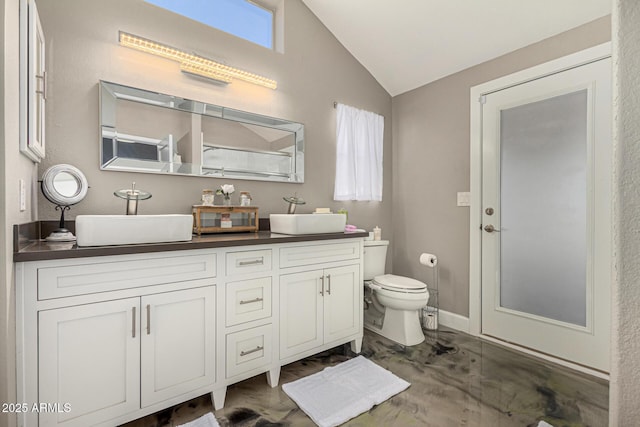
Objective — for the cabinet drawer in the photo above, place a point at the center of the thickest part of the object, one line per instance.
(248, 262)
(248, 300)
(249, 349)
(294, 256)
(70, 280)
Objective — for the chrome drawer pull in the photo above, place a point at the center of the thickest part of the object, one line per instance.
(148, 319)
(254, 262)
(322, 286)
(133, 322)
(258, 348)
(249, 301)
(328, 284)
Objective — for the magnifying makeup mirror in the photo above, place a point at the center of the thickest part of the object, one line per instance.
(64, 186)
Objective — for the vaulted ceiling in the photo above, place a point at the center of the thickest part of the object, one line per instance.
(408, 43)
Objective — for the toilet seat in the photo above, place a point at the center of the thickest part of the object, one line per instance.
(393, 283)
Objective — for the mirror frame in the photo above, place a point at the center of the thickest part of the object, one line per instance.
(110, 93)
(53, 195)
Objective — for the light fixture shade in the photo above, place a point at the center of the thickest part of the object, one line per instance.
(194, 64)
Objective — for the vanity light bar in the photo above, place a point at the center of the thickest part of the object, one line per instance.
(203, 71)
(194, 64)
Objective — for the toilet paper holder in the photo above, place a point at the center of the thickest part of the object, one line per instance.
(430, 313)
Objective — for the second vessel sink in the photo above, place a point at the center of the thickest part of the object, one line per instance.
(102, 230)
(307, 223)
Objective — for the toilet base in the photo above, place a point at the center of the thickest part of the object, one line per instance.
(401, 326)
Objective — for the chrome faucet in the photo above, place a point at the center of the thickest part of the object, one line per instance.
(132, 196)
(293, 202)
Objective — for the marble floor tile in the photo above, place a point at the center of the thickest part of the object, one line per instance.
(456, 380)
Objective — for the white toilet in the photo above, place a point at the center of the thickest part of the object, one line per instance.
(393, 303)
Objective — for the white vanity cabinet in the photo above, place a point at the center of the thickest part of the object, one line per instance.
(320, 298)
(114, 357)
(318, 307)
(247, 333)
(115, 338)
(109, 339)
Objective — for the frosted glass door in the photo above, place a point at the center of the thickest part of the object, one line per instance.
(543, 207)
(546, 214)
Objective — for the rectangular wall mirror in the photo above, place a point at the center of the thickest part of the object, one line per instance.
(143, 131)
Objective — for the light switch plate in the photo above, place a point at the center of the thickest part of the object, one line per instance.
(23, 196)
(464, 198)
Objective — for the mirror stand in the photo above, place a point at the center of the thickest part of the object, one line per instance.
(64, 186)
(61, 234)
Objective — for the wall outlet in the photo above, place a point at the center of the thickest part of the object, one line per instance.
(23, 196)
(464, 198)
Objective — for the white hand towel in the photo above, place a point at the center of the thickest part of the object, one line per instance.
(207, 420)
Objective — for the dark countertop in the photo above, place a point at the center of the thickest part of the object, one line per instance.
(38, 250)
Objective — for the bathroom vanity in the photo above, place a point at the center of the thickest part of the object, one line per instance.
(108, 335)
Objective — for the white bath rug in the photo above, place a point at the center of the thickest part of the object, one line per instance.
(207, 420)
(543, 423)
(339, 393)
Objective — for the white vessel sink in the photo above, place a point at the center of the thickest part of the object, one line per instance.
(101, 230)
(307, 223)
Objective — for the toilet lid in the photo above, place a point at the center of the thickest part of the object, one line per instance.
(399, 283)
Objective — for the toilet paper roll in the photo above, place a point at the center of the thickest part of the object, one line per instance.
(430, 260)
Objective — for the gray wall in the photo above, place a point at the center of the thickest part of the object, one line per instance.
(625, 326)
(13, 167)
(431, 162)
(313, 72)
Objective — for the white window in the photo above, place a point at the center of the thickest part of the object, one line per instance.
(242, 18)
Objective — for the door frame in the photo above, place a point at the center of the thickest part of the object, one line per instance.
(574, 60)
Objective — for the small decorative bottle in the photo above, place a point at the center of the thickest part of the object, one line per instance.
(377, 233)
(245, 198)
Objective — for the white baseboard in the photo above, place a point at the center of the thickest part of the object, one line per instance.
(453, 321)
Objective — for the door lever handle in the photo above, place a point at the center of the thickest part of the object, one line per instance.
(490, 229)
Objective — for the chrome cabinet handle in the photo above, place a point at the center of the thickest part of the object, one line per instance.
(148, 319)
(258, 348)
(322, 287)
(328, 284)
(133, 322)
(490, 229)
(254, 262)
(249, 301)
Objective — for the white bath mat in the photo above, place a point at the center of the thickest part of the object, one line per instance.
(543, 423)
(207, 420)
(339, 393)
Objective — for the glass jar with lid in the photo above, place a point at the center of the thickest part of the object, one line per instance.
(245, 198)
(207, 197)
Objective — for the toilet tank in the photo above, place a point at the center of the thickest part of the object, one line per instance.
(375, 258)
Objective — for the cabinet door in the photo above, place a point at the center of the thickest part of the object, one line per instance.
(90, 359)
(343, 296)
(37, 86)
(300, 312)
(177, 341)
